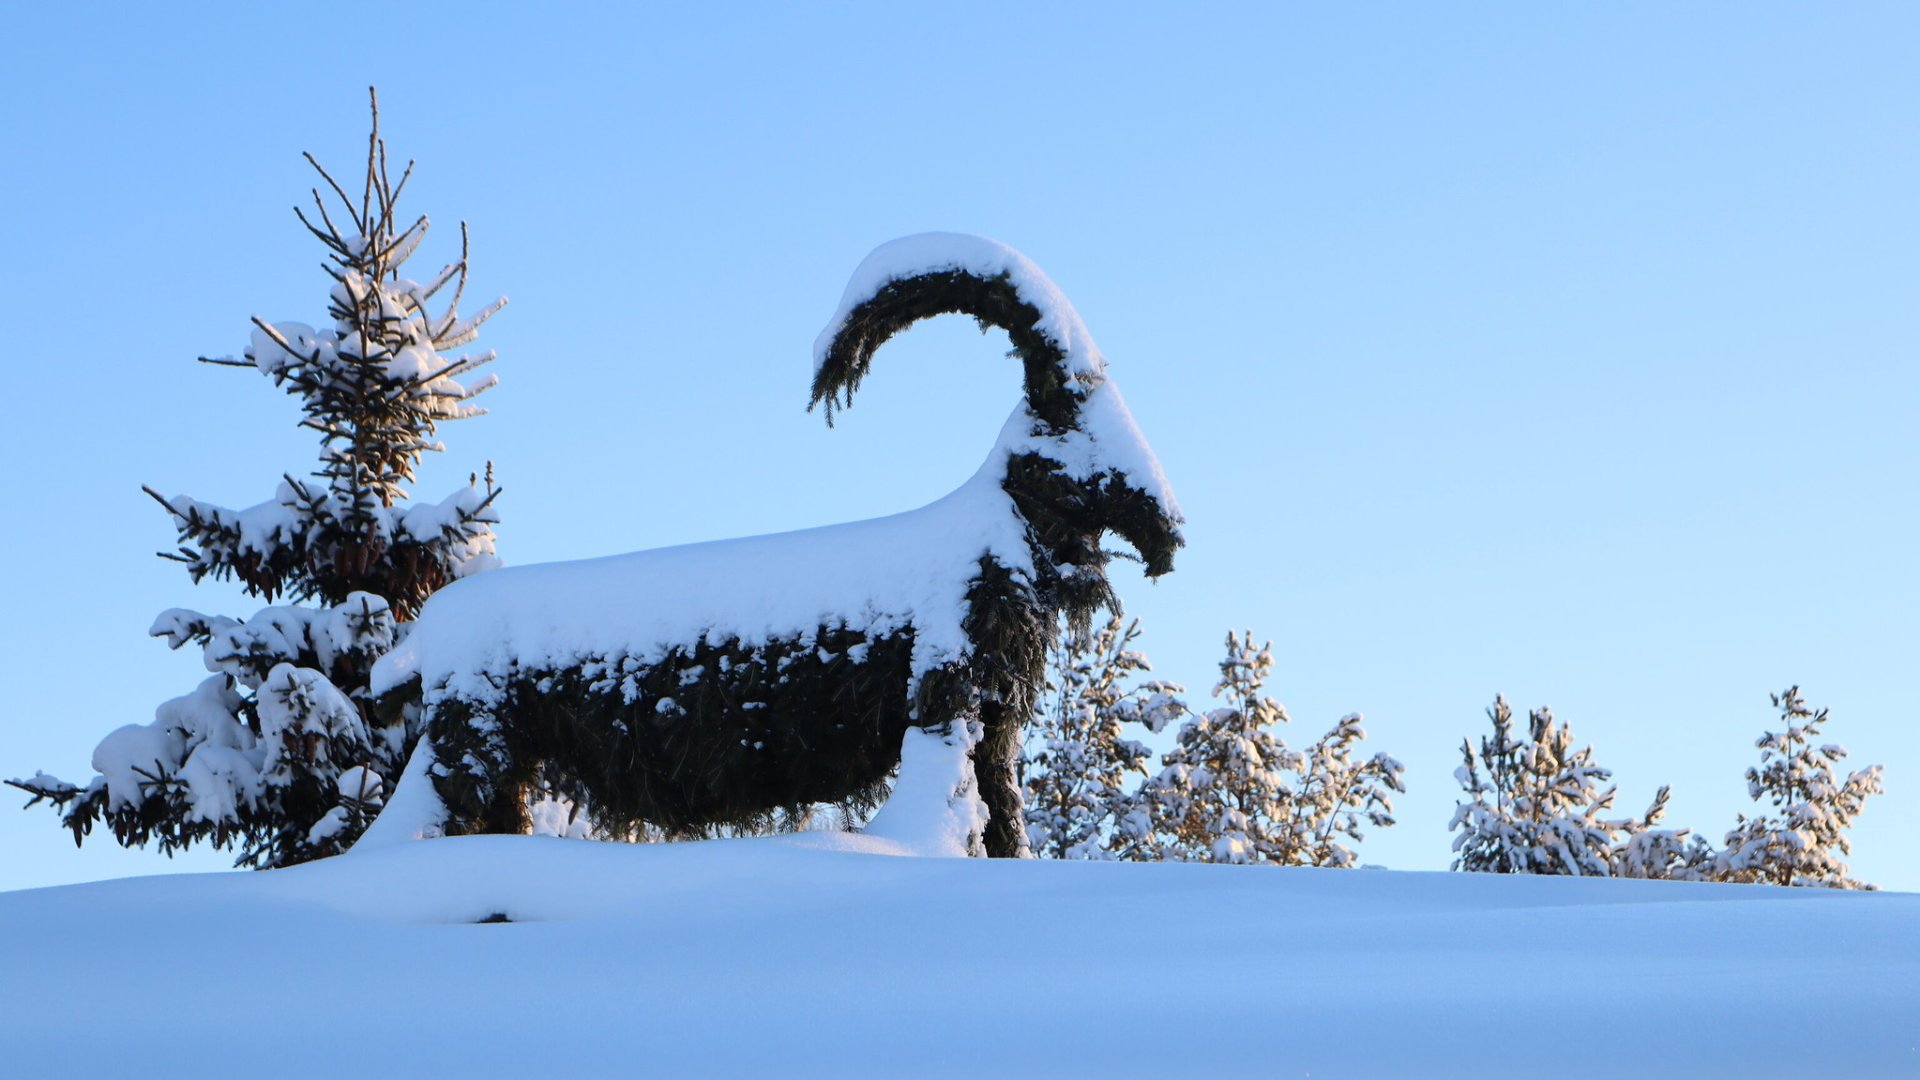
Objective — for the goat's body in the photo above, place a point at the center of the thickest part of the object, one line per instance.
(709, 683)
(713, 683)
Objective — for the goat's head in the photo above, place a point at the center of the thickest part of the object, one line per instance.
(1076, 465)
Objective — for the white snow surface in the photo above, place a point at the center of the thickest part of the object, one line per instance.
(824, 954)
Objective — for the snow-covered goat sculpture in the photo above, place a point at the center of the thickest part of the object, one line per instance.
(709, 684)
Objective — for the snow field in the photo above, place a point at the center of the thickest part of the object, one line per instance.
(825, 954)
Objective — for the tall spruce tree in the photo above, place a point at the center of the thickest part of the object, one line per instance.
(1080, 767)
(1801, 840)
(1233, 791)
(1539, 808)
(280, 753)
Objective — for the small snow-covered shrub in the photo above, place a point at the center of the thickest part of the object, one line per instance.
(1233, 791)
(1539, 808)
(1801, 840)
(1082, 772)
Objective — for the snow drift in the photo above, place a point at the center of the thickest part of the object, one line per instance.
(820, 954)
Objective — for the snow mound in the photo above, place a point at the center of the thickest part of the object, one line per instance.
(823, 954)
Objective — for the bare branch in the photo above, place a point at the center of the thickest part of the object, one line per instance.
(384, 192)
(321, 205)
(161, 499)
(334, 184)
(373, 147)
(405, 175)
(460, 288)
(328, 239)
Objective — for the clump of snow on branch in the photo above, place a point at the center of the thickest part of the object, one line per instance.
(560, 818)
(312, 525)
(268, 725)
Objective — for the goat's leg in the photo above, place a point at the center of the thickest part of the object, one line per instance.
(476, 771)
(935, 808)
(479, 792)
(414, 810)
(997, 777)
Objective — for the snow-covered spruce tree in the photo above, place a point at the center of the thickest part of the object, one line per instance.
(1233, 791)
(1801, 840)
(280, 752)
(1538, 808)
(1080, 767)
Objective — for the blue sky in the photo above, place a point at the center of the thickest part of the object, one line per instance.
(1566, 352)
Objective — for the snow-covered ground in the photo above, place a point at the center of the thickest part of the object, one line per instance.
(827, 954)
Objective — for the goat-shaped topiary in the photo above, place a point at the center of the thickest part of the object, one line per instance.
(710, 684)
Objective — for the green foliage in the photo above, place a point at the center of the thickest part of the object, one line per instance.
(282, 753)
(708, 738)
